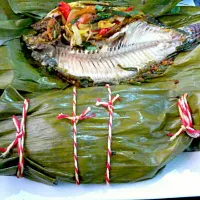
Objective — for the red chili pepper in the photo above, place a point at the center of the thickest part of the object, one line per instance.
(129, 9)
(117, 22)
(103, 31)
(64, 8)
(95, 31)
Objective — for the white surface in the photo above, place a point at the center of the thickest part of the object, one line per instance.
(180, 178)
(186, 3)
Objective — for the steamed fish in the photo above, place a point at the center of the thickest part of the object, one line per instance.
(96, 44)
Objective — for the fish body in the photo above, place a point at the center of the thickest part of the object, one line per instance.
(119, 57)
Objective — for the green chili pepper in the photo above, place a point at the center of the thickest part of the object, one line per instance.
(55, 34)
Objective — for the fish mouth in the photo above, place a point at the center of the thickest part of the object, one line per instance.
(116, 58)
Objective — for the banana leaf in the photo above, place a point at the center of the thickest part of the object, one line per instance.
(15, 70)
(140, 145)
(39, 9)
(181, 16)
(11, 25)
(6, 12)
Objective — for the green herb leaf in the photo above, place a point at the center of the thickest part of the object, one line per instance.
(86, 44)
(121, 14)
(101, 16)
(134, 12)
(74, 20)
(91, 48)
(99, 8)
(55, 34)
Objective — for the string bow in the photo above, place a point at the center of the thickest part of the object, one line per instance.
(186, 120)
(19, 139)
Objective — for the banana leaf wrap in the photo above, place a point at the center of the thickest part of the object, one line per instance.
(147, 112)
(140, 145)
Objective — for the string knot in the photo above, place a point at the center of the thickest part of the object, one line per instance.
(108, 105)
(19, 139)
(77, 118)
(186, 120)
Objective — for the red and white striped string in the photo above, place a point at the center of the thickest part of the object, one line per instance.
(109, 105)
(19, 140)
(75, 119)
(186, 120)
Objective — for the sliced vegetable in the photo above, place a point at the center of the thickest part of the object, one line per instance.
(101, 16)
(67, 30)
(120, 19)
(91, 48)
(53, 30)
(134, 12)
(72, 15)
(66, 38)
(117, 22)
(54, 13)
(88, 46)
(77, 13)
(129, 9)
(55, 34)
(85, 21)
(75, 20)
(77, 35)
(84, 32)
(85, 18)
(103, 31)
(64, 8)
(84, 26)
(121, 13)
(105, 24)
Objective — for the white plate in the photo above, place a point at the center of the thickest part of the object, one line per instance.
(180, 178)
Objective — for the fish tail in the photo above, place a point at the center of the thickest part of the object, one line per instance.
(193, 32)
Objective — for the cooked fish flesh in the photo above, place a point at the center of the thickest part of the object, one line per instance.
(141, 45)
